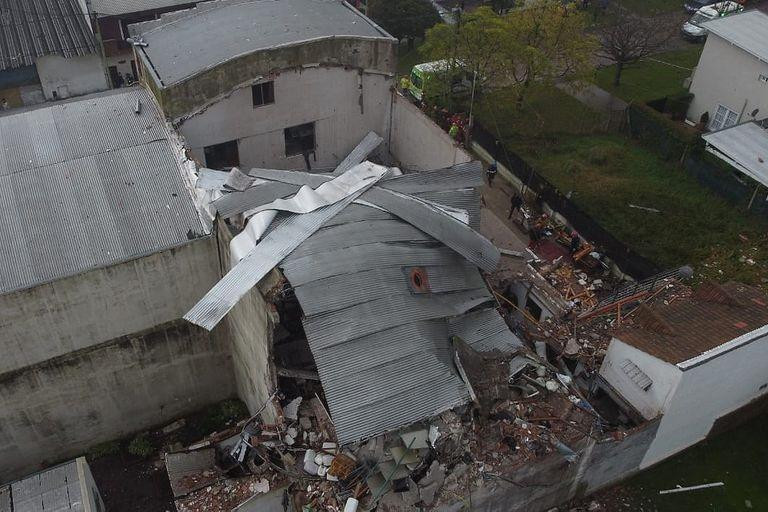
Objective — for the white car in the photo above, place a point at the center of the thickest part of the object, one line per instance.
(693, 29)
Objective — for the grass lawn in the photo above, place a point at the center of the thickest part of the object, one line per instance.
(652, 79)
(608, 172)
(546, 114)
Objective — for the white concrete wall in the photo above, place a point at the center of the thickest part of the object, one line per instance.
(417, 143)
(61, 407)
(249, 326)
(665, 377)
(71, 77)
(706, 392)
(330, 97)
(728, 76)
(87, 309)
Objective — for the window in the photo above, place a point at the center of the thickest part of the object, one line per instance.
(533, 308)
(300, 139)
(222, 156)
(636, 375)
(263, 94)
(724, 117)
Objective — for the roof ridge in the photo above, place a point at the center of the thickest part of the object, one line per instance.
(715, 292)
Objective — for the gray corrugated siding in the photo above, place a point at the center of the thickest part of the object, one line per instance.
(485, 330)
(33, 28)
(87, 184)
(53, 489)
(384, 353)
(115, 7)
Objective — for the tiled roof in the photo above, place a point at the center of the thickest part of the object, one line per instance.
(34, 28)
(688, 327)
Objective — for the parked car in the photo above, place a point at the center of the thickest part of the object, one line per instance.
(691, 6)
(693, 29)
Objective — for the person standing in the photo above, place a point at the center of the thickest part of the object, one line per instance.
(515, 202)
(575, 242)
(405, 85)
(4, 104)
(493, 168)
(453, 132)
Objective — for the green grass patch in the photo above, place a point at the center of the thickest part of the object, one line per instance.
(141, 446)
(606, 173)
(652, 79)
(737, 458)
(545, 114)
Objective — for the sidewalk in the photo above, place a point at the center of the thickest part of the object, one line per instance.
(596, 98)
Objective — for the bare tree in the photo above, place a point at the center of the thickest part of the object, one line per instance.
(628, 38)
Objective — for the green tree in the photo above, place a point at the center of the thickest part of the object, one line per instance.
(476, 44)
(549, 43)
(404, 19)
(542, 43)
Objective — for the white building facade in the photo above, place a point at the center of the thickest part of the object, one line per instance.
(730, 82)
(299, 84)
(696, 373)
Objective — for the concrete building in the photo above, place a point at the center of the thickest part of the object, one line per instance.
(68, 486)
(287, 85)
(47, 52)
(111, 19)
(103, 251)
(693, 361)
(730, 82)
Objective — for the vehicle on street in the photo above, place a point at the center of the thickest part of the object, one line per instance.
(691, 6)
(693, 30)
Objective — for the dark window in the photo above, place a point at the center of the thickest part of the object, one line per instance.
(300, 139)
(533, 308)
(263, 94)
(222, 156)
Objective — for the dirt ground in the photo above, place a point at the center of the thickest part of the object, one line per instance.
(131, 484)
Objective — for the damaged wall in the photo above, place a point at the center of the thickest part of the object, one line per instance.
(550, 481)
(417, 143)
(195, 92)
(61, 407)
(328, 96)
(249, 327)
(665, 376)
(77, 312)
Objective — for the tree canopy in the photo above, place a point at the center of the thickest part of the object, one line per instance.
(542, 43)
(404, 19)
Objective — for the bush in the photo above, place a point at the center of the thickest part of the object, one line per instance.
(667, 138)
(141, 446)
(104, 449)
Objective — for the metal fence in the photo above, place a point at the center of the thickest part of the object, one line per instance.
(628, 260)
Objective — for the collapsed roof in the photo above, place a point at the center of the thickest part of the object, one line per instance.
(680, 330)
(384, 277)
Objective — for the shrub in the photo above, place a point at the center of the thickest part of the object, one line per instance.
(104, 449)
(141, 446)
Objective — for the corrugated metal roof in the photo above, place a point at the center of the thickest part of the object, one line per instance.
(747, 30)
(55, 489)
(33, 28)
(745, 146)
(88, 183)
(180, 43)
(383, 352)
(117, 7)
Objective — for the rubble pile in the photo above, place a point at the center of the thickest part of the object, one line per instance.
(227, 494)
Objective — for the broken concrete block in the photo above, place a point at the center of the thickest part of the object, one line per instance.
(429, 493)
(173, 427)
(310, 467)
(327, 460)
(291, 410)
(435, 474)
(305, 422)
(404, 456)
(416, 439)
